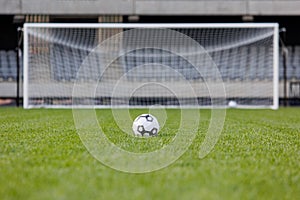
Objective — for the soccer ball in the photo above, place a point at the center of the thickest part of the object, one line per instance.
(232, 104)
(145, 125)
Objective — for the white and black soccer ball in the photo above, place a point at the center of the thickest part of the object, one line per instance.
(145, 125)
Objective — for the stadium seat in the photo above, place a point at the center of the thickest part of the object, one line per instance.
(242, 60)
(233, 71)
(8, 65)
(253, 64)
(66, 61)
(293, 70)
(155, 56)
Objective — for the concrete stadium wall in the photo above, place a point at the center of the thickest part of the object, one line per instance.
(152, 7)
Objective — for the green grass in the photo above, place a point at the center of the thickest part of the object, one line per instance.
(256, 157)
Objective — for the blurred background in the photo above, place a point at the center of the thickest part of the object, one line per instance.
(14, 13)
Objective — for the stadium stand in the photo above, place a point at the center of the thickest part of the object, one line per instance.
(156, 56)
(61, 67)
(15, 13)
(8, 65)
(69, 60)
(65, 70)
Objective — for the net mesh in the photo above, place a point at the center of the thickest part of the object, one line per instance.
(149, 66)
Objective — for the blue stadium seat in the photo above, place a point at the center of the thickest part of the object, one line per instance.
(224, 65)
(293, 70)
(156, 56)
(293, 63)
(233, 70)
(243, 51)
(8, 65)
(56, 63)
(65, 62)
(291, 55)
(253, 65)
(12, 59)
(6, 72)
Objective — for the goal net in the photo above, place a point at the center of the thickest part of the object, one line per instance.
(142, 65)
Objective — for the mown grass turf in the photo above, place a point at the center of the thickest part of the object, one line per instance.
(256, 157)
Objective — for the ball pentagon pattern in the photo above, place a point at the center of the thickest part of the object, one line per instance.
(145, 125)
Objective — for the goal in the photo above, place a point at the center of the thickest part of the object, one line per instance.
(142, 65)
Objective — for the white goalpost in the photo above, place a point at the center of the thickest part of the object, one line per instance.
(158, 65)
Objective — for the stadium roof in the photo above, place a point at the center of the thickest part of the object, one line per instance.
(152, 7)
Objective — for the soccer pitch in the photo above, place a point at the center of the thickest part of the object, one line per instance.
(256, 157)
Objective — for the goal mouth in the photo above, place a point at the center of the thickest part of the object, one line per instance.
(246, 56)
